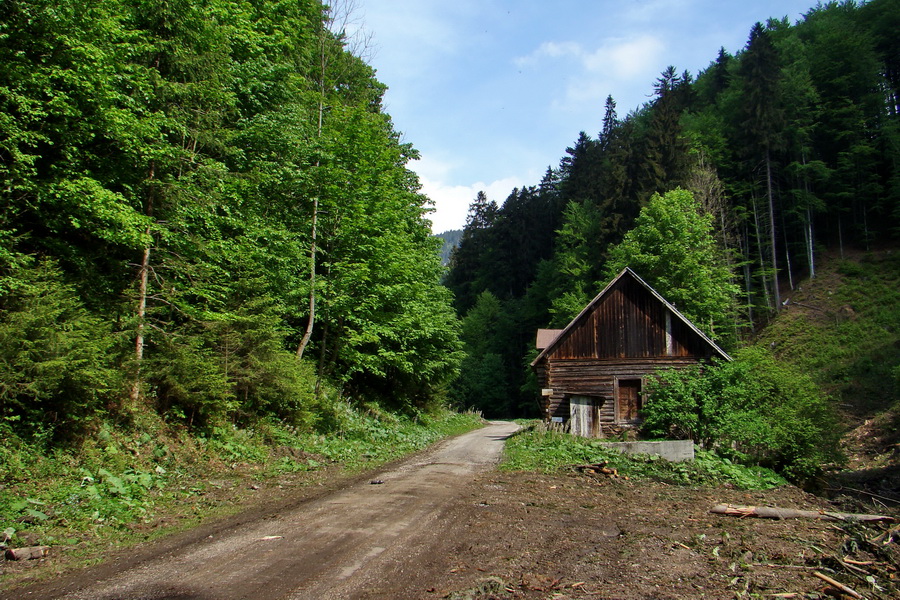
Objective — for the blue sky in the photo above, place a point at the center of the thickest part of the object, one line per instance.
(491, 92)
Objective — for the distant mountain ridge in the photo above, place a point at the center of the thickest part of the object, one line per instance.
(451, 240)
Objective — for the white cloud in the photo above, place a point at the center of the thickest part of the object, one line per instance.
(451, 202)
(625, 59)
(621, 58)
(591, 73)
(550, 50)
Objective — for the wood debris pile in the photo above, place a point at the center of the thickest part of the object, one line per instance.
(867, 564)
(599, 469)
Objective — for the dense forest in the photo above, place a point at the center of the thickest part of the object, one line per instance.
(206, 215)
(789, 147)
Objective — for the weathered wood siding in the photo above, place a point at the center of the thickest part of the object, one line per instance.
(629, 323)
(597, 378)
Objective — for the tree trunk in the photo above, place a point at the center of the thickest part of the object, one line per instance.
(772, 512)
(312, 282)
(771, 198)
(143, 280)
(29, 553)
(143, 284)
(808, 230)
(787, 254)
(762, 259)
(841, 235)
(323, 65)
(320, 373)
(810, 245)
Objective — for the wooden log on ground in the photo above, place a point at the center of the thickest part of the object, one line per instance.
(30, 553)
(837, 584)
(772, 512)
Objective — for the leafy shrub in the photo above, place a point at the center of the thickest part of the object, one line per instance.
(55, 365)
(753, 409)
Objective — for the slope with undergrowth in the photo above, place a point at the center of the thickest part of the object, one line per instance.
(843, 328)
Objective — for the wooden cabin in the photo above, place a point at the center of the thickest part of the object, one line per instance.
(592, 373)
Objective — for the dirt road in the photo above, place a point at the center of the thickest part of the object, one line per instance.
(444, 525)
(343, 545)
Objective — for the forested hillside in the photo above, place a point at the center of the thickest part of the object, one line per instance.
(450, 241)
(206, 215)
(789, 146)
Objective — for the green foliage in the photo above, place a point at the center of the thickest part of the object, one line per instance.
(537, 449)
(56, 372)
(482, 385)
(673, 249)
(198, 138)
(848, 342)
(754, 409)
(483, 381)
(363, 437)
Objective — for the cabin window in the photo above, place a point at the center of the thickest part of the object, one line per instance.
(629, 401)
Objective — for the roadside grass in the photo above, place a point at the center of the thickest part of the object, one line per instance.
(126, 486)
(535, 448)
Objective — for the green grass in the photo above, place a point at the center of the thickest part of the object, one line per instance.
(534, 448)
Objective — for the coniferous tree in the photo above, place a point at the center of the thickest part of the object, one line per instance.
(763, 121)
(465, 276)
(665, 151)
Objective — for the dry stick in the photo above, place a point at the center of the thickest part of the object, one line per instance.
(886, 537)
(850, 567)
(850, 489)
(837, 585)
(771, 512)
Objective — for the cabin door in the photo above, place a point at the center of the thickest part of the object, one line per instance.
(584, 416)
(628, 400)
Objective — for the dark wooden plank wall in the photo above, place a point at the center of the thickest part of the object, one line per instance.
(628, 322)
(596, 378)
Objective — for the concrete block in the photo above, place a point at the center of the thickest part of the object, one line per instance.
(671, 450)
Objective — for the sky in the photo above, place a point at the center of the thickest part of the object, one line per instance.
(492, 92)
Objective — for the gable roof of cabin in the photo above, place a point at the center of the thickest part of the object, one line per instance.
(599, 298)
